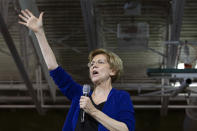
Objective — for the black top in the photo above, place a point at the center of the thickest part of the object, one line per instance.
(89, 124)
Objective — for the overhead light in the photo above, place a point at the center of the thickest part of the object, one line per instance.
(181, 66)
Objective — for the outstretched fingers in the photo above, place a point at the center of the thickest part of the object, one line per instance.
(23, 18)
(30, 21)
(25, 14)
(23, 23)
(41, 15)
(29, 13)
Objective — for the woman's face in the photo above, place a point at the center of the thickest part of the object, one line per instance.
(100, 70)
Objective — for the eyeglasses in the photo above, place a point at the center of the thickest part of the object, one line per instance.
(99, 62)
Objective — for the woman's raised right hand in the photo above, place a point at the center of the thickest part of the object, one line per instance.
(29, 20)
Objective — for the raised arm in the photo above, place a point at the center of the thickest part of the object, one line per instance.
(36, 25)
(67, 86)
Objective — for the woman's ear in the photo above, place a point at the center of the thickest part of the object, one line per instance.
(112, 73)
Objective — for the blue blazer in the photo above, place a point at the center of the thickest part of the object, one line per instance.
(118, 105)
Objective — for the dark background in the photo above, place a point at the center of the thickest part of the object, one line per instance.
(30, 120)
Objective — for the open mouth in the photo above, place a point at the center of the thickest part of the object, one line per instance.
(95, 72)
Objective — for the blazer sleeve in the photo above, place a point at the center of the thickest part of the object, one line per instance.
(126, 111)
(65, 83)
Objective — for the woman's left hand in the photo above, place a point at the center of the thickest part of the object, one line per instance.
(110, 123)
(86, 105)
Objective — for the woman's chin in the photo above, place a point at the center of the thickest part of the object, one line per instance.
(95, 81)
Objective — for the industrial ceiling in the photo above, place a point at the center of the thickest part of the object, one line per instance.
(145, 34)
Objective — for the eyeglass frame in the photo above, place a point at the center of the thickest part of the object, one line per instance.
(99, 62)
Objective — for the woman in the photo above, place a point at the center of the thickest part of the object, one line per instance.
(106, 108)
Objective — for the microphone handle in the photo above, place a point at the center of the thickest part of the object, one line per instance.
(83, 116)
(83, 112)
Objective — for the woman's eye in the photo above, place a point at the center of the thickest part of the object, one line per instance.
(100, 62)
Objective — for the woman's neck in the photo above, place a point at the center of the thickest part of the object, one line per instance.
(102, 89)
(101, 92)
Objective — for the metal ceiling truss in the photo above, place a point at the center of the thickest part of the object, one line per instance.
(22, 100)
(31, 5)
(92, 25)
(4, 9)
(61, 42)
(177, 9)
(19, 63)
(93, 30)
(175, 30)
(5, 52)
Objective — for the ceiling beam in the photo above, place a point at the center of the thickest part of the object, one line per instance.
(175, 30)
(31, 5)
(5, 52)
(4, 9)
(63, 106)
(177, 9)
(91, 24)
(8, 39)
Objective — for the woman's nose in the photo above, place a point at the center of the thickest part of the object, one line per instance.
(94, 66)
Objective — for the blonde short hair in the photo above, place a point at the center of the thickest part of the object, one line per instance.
(114, 61)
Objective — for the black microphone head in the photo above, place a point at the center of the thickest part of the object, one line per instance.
(86, 89)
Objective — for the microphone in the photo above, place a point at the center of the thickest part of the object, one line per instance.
(86, 91)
